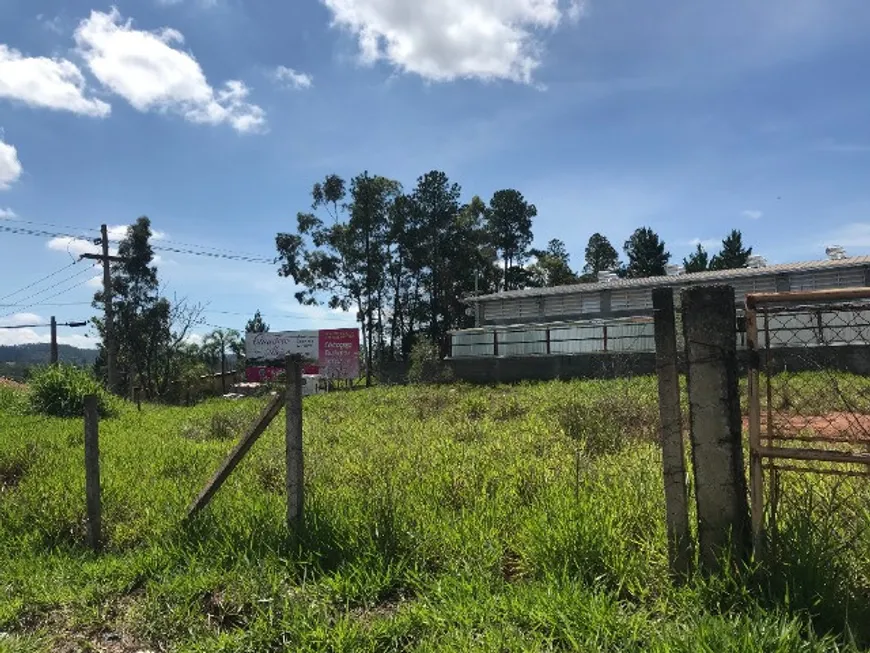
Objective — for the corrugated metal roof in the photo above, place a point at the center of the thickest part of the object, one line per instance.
(681, 280)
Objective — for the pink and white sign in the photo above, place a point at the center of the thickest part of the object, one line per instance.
(334, 353)
(338, 353)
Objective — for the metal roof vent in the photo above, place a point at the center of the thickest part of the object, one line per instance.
(836, 253)
(756, 261)
(607, 275)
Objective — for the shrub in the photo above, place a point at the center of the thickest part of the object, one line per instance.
(60, 391)
(427, 365)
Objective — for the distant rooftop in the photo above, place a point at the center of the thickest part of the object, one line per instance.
(682, 279)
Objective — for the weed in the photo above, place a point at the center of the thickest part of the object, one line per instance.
(60, 391)
(441, 518)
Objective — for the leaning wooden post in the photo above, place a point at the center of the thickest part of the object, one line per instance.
(92, 471)
(671, 431)
(295, 475)
(756, 474)
(710, 330)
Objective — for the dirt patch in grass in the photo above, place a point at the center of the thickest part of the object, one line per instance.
(834, 425)
(9, 383)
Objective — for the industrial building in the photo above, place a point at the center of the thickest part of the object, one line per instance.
(616, 314)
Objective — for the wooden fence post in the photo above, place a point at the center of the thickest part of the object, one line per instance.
(295, 467)
(710, 330)
(92, 471)
(756, 474)
(671, 425)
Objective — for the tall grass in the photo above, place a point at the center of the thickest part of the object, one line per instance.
(437, 519)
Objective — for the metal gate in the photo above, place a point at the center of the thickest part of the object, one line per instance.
(809, 415)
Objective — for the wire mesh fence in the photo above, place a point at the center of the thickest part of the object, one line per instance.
(809, 422)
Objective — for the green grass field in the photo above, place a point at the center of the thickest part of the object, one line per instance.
(528, 518)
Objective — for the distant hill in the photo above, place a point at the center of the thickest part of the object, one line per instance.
(39, 354)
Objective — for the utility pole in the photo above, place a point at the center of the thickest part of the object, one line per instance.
(109, 328)
(53, 341)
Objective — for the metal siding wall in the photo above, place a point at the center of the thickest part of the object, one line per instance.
(472, 344)
(619, 300)
(522, 342)
(764, 284)
(576, 339)
(640, 300)
(630, 337)
(591, 303)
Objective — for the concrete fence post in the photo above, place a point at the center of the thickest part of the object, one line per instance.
(671, 430)
(710, 331)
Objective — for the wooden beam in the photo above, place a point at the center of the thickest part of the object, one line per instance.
(782, 453)
(756, 473)
(92, 472)
(100, 257)
(235, 456)
(835, 294)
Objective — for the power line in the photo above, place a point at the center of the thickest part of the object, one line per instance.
(35, 283)
(226, 255)
(47, 304)
(208, 247)
(52, 225)
(49, 288)
(244, 258)
(57, 294)
(42, 233)
(272, 316)
(37, 326)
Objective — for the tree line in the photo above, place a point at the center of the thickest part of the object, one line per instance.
(403, 261)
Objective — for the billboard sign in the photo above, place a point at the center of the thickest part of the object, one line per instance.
(334, 353)
(276, 346)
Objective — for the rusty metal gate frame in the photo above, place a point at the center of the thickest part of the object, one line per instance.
(762, 454)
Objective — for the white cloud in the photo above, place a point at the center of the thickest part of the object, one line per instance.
(146, 70)
(752, 214)
(7, 214)
(31, 336)
(444, 40)
(293, 78)
(577, 9)
(18, 319)
(49, 83)
(95, 282)
(51, 24)
(75, 246)
(10, 166)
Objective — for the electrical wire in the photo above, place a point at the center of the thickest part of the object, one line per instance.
(54, 226)
(57, 294)
(42, 233)
(54, 304)
(272, 316)
(244, 258)
(219, 254)
(71, 324)
(35, 283)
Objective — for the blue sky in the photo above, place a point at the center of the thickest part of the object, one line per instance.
(214, 117)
